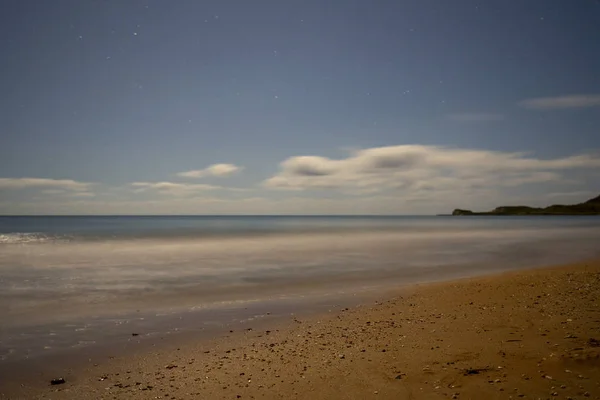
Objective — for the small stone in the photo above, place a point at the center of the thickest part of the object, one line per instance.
(58, 381)
(341, 356)
(135, 334)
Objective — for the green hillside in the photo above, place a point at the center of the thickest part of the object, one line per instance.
(590, 207)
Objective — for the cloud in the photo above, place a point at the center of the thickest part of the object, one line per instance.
(53, 191)
(476, 117)
(581, 194)
(562, 102)
(219, 170)
(410, 169)
(173, 188)
(60, 192)
(84, 194)
(56, 184)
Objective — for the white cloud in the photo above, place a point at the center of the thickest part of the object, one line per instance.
(53, 191)
(562, 102)
(476, 117)
(173, 188)
(219, 170)
(410, 169)
(60, 192)
(23, 183)
(84, 194)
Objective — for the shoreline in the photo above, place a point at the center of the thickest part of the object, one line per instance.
(428, 340)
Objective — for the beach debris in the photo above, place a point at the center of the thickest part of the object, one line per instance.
(341, 356)
(135, 334)
(399, 376)
(474, 371)
(58, 381)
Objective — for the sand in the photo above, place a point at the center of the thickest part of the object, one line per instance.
(530, 335)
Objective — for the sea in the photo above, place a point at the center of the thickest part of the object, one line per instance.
(69, 282)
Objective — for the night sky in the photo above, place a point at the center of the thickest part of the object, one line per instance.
(297, 107)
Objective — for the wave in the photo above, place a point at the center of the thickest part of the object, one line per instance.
(31, 237)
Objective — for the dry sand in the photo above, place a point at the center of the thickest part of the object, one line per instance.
(530, 335)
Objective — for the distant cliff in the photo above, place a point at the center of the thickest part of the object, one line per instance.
(590, 207)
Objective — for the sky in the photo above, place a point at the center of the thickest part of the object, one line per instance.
(297, 106)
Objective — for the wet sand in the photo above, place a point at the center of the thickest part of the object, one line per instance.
(530, 335)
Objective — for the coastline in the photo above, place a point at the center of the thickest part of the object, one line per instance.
(526, 334)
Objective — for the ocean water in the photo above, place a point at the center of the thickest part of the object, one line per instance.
(70, 281)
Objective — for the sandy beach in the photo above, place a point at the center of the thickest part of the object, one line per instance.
(530, 335)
